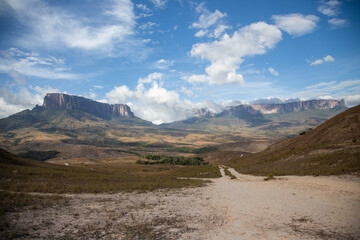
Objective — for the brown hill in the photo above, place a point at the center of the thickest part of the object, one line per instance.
(331, 148)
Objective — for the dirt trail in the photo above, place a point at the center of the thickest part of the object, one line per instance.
(244, 208)
(286, 208)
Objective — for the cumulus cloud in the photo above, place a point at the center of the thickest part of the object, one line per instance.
(273, 71)
(209, 23)
(18, 63)
(151, 78)
(338, 23)
(150, 101)
(55, 27)
(352, 100)
(330, 8)
(225, 55)
(296, 24)
(328, 58)
(24, 98)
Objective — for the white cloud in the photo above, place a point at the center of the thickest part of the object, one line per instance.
(352, 100)
(209, 23)
(330, 8)
(159, 3)
(151, 78)
(328, 58)
(208, 19)
(348, 90)
(225, 55)
(16, 63)
(119, 94)
(201, 33)
(317, 62)
(50, 26)
(273, 71)
(273, 100)
(296, 24)
(338, 23)
(148, 26)
(25, 98)
(17, 77)
(162, 64)
(187, 91)
(151, 101)
(219, 30)
(146, 12)
(320, 85)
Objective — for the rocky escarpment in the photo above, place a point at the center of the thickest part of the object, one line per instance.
(298, 106)
(283, 108)
(103, 110)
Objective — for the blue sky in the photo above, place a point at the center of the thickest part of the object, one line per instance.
(165, 57)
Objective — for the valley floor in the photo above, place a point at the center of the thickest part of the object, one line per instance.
(247, 207)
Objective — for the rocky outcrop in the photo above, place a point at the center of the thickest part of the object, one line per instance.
(282, 108)
(102, 110)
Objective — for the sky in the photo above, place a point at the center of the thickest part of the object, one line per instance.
(165, 58)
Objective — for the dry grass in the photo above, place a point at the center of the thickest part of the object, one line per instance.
(31, 176)
(333, 148)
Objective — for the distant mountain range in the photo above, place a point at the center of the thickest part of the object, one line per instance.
(78, 127)
(254, 109)
(266, 116)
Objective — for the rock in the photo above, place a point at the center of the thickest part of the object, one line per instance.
(102, 110)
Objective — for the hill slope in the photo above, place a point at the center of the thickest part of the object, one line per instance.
(331, 148)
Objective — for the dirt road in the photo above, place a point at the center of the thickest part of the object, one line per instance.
(286, 208)
(244, 208)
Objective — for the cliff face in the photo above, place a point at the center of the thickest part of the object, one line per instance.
(298, 106)
(283, 108)
(102, 110)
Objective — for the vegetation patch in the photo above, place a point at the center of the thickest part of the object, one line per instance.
(23, 175)
(193, 150)
(173, 160)
(329, 159)
(39, 155)
(12, 201)
(228, 173)
(203, 171)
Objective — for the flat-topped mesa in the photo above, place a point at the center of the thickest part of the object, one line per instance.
(282, 108)
(101, 110)
(298, 106)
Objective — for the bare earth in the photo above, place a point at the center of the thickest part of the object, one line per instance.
(244, 208)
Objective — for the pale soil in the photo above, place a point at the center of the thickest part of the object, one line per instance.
(244, 208)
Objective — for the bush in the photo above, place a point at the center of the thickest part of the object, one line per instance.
(39, 155)
(185, 161)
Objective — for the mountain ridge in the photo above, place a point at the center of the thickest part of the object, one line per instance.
(270, 108)
(55, 101)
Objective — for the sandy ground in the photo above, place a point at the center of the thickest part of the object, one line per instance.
(244, 208)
